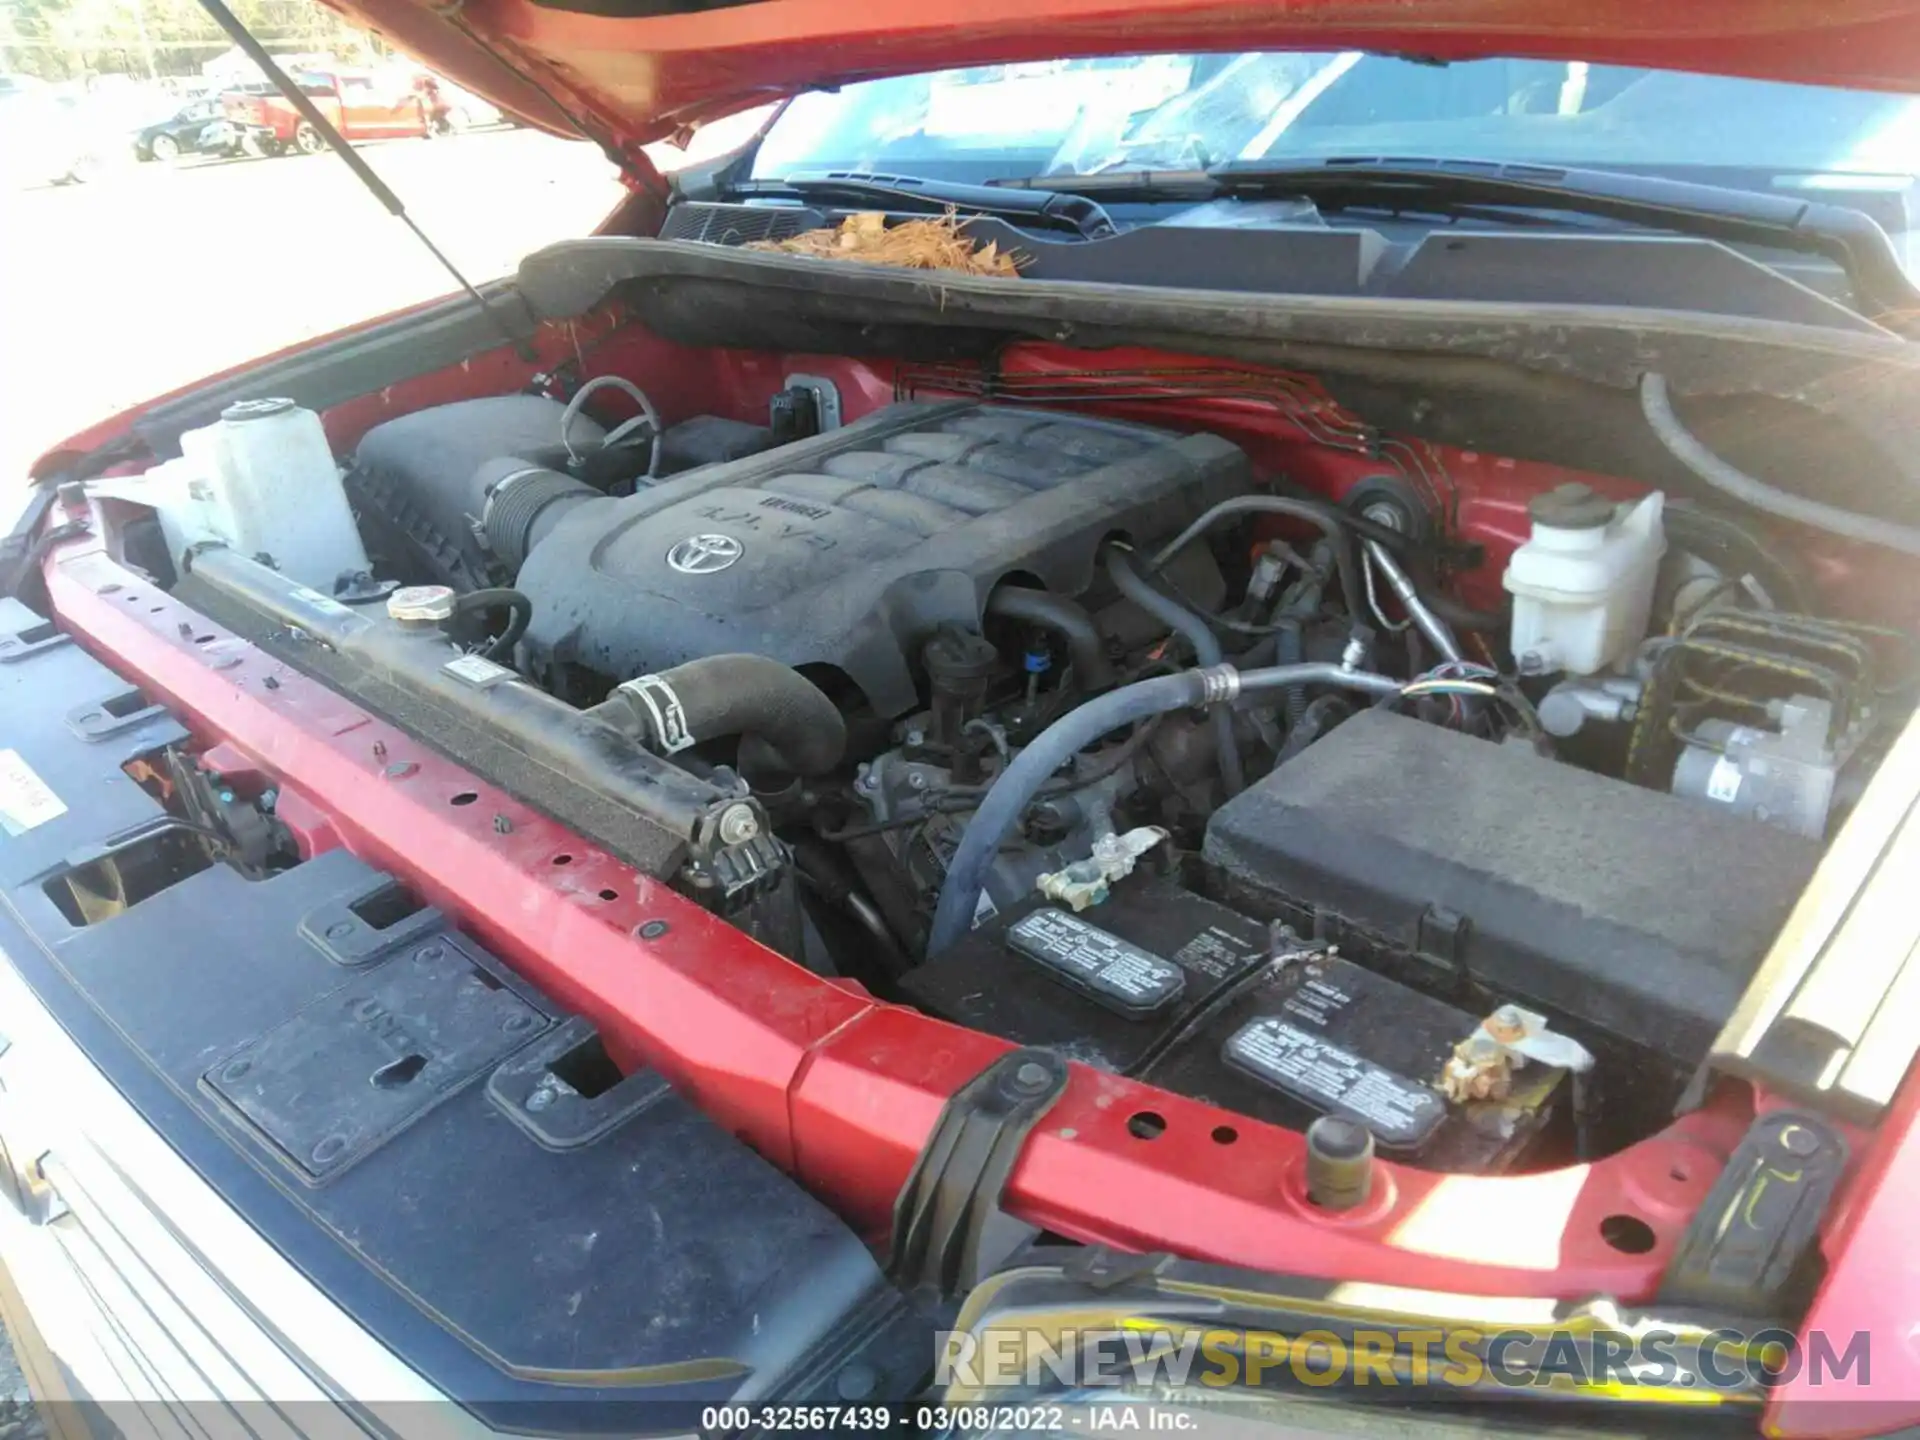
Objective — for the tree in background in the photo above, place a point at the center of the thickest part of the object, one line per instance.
(78, 39)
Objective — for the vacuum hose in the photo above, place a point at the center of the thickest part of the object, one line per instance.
(1206, 649)
(1333, 523)
(721, 695)
(519, 616)
(1063, 617)
(1053, 747)
(1685, 447)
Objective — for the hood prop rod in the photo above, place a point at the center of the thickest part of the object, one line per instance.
(254, 51)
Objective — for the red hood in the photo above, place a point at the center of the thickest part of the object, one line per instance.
(627, 76)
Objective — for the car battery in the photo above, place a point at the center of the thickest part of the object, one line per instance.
(1100, 987)
(1169, 987)
(1315, 1035)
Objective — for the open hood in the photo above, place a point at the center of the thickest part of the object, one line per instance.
(626, 72)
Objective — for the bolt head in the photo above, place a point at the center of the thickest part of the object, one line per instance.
(856, 1382)
(738, 825)
(1031, 1077)
(1799, 1140)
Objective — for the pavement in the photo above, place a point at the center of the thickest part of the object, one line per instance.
(115, 292)
(118, 291)
(18, 1419)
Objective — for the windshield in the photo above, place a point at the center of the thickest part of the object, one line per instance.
(1080, 117)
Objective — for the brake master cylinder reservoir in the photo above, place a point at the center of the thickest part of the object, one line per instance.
(1582, 584)
(262, 480)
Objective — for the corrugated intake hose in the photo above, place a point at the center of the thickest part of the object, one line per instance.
(524, 502)
(1063, 617)
(723, 695)
(1053, 747)
(1206, 649)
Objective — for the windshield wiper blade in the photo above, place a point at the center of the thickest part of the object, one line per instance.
(1055, 209)
(1851, 239)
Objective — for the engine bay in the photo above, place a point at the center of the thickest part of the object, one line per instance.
(1162, 715)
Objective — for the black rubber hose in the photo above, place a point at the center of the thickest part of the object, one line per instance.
(1322, 715)
(1003, 805)
(1290, 649)
(1685, 446)
(1063, 617)
(722, 695)
(519, 616)
(1335, 523)
(833, 881)
(1464, 617)
(1733, 549)
(1206, 649)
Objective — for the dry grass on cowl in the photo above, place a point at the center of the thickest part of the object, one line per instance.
(933, 244)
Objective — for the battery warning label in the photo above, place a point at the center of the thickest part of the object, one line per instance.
(1398, 1111)
(1121, 976)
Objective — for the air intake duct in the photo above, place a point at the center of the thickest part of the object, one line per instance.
(524, 502)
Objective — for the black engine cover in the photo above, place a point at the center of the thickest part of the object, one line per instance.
(848, 549)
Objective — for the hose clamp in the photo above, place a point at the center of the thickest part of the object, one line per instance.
(1221, 684)
(504, 483)
(663, 707)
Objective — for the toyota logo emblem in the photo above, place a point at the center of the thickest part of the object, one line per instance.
(704, 554)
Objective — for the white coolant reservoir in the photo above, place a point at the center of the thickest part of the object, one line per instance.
(261, 480)
(1583, 582)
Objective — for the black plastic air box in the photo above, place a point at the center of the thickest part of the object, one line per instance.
(1500, 872)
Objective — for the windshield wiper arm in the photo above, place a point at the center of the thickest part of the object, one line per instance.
(1850, 238)
(1055, 209)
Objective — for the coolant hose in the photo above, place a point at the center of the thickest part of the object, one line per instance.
(1335, 524)
(1206, 649)
(1063, 617)
(1055, 746)
(1684, 446)
(519, 616)
(722, 695)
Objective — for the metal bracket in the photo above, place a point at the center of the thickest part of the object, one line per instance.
(1441, 942)
(1101, 1269)
(826, 396)
(949, 1231)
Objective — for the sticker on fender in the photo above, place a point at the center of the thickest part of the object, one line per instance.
(25, 799)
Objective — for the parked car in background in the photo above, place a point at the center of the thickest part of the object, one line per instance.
(361, 105)
(198, 128)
